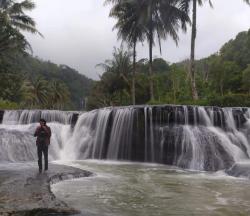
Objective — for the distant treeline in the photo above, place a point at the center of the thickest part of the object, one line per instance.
(223, 79)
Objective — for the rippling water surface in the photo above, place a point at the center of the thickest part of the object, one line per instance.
(130, 189)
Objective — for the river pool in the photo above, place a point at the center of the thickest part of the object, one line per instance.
(134, 189)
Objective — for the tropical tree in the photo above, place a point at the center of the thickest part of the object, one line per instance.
(13, 13)
(193, 39)
(162, 19)
(40, 91)
(120, 64)
(130, 29)
(246, 79)
(11, 41)
(13, 20)
(28, 94)
(117, 72)
(59, 95)
(158, 19)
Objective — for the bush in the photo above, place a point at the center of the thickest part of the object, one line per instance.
(5, 104)
(230, 100)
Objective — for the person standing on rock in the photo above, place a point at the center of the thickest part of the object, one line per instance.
(43, 134)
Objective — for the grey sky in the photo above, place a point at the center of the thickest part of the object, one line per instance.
(80, 34)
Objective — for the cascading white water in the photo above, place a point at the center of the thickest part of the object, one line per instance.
(210, 142)
(32, 116)
(200, 138)
(17, 141)
(121, 135)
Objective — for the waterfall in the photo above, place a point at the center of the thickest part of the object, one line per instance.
(17, 141)
(200, 138)
(192, 137)
(33, 116)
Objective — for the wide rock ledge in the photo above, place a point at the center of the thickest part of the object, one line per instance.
(24, 192)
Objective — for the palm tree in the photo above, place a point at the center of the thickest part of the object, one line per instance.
(193, 38)
(130, 29)
(187, 4)
(119, 65)
(117, 71)
(157, 18)
(13, 13)
(40, 91)
(162, 19)
(28, 94)
(12, 40)
(13, 20)
(58, 95)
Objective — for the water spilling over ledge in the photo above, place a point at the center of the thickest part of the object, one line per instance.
(192, 137)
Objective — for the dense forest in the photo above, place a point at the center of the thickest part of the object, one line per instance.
(223, 79)
(30, 82)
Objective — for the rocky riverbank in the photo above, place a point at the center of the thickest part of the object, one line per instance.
(25, 192)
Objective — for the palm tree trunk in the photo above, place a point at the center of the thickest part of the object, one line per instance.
(151, 85)
(134, 72)
(192, 60)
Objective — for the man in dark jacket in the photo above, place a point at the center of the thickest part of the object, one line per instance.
(43, 134)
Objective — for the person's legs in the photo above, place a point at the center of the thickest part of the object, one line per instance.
(45, 154)
(39, 154)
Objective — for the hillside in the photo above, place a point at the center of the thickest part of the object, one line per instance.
(20, 67)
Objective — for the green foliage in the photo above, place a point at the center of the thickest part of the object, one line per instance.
(237, 50)
(10, 86)
(114, 88)
(160, 66)
(222, 80)
(151, 20)
(246, 79)
(5, 104)
(21, 73)
(230, 100)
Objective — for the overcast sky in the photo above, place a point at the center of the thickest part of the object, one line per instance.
(80, 34)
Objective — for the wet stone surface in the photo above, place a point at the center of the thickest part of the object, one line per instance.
(25, 192)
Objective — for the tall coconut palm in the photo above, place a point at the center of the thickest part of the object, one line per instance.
(162, 19)
(193, 39)
(130, 29)
(13, 13)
